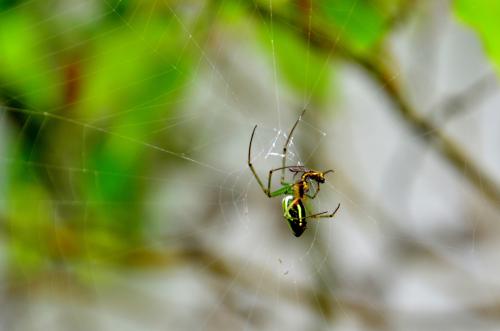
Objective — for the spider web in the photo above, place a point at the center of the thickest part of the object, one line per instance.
(215, 252)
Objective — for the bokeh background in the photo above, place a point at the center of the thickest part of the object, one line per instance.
(126, 202)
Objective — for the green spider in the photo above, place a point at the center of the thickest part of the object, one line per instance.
(295, 193)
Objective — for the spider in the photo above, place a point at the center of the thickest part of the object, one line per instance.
(295, 193)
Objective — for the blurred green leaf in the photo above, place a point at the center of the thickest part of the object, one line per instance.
(482, 16)
(360, 24)
(5, 4)
(26, 65)
(29, 204)
(135, 77)
(124, 76)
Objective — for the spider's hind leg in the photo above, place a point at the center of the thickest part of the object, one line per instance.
(324, 214)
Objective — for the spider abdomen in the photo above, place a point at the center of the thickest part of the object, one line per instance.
(295, 214)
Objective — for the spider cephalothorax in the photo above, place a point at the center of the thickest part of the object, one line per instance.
(293, 207)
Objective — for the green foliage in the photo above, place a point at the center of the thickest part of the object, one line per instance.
(26, 65)
(6, 4)
(106, 86)
(483, 16)
(360, 24)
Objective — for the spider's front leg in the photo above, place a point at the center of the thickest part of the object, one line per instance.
(285, 147)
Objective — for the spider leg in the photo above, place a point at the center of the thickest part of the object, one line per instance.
(315, 193)
(266, 191)
(323, 214)
(293, 203)
(285, 147)
(319, 186)
(276, 169)
(297, 170)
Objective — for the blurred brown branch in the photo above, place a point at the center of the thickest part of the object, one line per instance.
(465, 100)
(381, 73)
